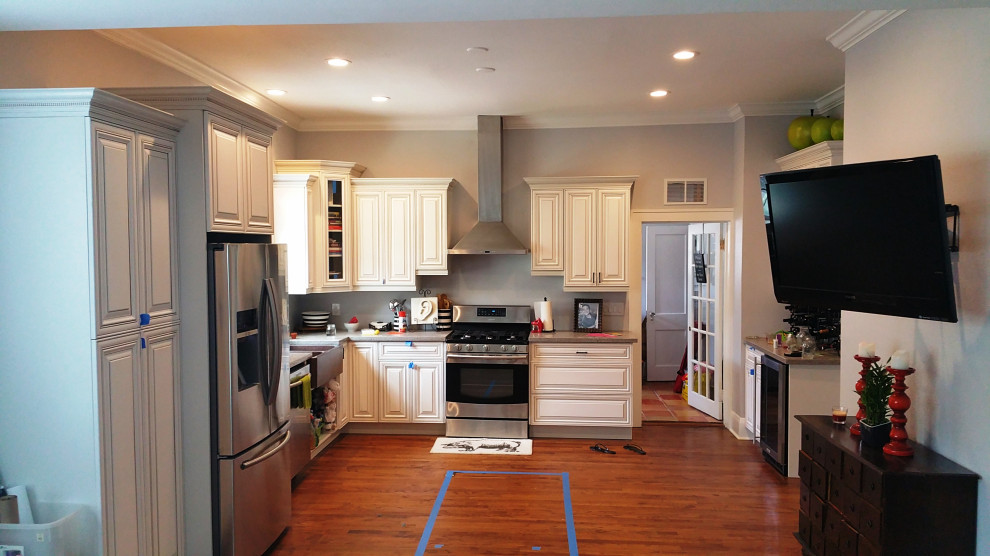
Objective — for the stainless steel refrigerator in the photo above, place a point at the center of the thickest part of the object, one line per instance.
(250, 383)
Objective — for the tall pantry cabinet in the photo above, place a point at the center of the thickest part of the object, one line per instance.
(90, 328)
(224, 185)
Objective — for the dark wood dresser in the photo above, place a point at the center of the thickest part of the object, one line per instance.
(859, 501)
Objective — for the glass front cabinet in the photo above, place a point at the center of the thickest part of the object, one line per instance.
(318, 245)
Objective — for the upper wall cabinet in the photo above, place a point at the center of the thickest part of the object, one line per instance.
(228, 143)
(399, 231)
(313, 216)
(580, 228)
(826, 153)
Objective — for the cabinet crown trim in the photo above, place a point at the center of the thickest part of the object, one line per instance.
(442, 183)
(81, 102)
(315, 166)
(581, 181)
(200, 98)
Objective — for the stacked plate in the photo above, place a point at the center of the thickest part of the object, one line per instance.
(315, 319)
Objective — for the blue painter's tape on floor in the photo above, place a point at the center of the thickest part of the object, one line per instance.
(568, 511)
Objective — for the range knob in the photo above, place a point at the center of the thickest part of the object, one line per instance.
(469, 347)
(484, 347)
(457, 347)
(505, 347)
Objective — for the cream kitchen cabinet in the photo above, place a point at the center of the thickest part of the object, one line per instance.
(97, 231)
(400, 230)
(314, 218)
(581, 384)
(586, 221)
(138, 378)
(226, 149)
(397, 382)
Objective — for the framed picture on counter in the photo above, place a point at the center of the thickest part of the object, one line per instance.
(587, 315)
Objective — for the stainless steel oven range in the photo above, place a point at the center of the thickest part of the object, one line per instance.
(488, 371)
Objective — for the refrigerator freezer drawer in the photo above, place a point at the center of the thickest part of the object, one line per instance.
(255, 496)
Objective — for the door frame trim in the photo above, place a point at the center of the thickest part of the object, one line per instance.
(639, 217)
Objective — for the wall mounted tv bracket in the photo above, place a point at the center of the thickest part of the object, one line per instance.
(952, 211)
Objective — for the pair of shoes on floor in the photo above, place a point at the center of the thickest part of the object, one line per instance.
(605, 450)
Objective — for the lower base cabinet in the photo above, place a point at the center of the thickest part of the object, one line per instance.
(855, 500)
(581, 384)
(396, 382)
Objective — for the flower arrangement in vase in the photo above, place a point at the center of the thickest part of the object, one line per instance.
(877, 387)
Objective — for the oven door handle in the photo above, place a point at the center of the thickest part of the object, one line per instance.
(494, 358)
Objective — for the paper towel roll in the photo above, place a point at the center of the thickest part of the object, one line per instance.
(545, 313)
(23, 504)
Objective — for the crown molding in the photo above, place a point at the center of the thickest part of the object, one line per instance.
(162, 53)
(861, 26)
(830, 100)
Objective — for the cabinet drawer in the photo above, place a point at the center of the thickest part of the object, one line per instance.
(804, 528)
(848, 539)
(871, 482)
(582, 352)
(600, 411)
(807, 441)
(804, 468)
(819, 480)
(402, 350)
(817, 514)
(805, 499)
(851, 471)
(833, 460)
(600, 378)
(869, 523)
(819, 445)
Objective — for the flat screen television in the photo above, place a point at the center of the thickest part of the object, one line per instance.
(867, 237)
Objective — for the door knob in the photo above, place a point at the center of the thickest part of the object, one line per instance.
(652, 315)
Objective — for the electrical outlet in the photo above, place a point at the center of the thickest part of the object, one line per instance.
(614, 308)
(39, 537)
(335, 309)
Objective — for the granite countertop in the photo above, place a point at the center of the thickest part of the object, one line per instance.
(567, 336)
(828, 357)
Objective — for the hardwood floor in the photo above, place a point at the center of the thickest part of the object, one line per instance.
(698, 490)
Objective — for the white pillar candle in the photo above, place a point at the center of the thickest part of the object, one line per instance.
(867, 349)
(899, 360)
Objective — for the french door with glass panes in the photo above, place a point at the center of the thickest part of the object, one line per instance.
(704, 358)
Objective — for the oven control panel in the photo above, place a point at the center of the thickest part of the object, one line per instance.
(487, 348)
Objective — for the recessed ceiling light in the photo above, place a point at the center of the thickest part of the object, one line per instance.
(379, 99)
(338, 62)
(275, 92)
(658, 93)
(484, 70)
(685, 55)
(477, 49)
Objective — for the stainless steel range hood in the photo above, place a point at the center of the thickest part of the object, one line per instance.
(489, 236)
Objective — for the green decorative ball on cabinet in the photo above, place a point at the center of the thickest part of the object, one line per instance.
(799, 132)
(821, 130)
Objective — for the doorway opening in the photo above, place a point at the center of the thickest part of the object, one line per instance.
(682, 285)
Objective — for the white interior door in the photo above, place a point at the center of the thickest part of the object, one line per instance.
(704, 260)
(666, 299)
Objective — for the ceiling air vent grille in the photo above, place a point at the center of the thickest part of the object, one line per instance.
(686, 192)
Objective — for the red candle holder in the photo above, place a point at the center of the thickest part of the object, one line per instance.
(866, 362)
(899, 403)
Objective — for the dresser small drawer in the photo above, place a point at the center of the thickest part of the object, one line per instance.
(872, 486)
(817, 513)
(852, 470)
(582, 352)
(833, 459)
(819, 480)
(870, 523)
(804, 467)
(805, 498)
(804, 528)
(848, 540)
(819, 446)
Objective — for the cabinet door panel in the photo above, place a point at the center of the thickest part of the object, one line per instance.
(367, 238)
(576, 411)
(547, 222)
(158, 187)
(362, 368)
(394, 393)
(428, 392)
(258, 183)
(432, 240)
(116, 222)
(398, 239)
(162, 370)
(579, 239)
(223, 156)
(120, 400)
(613, 237)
